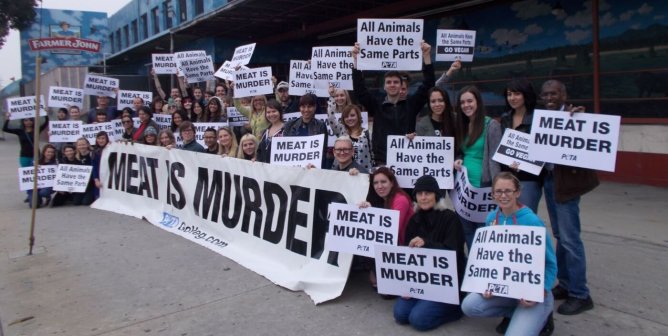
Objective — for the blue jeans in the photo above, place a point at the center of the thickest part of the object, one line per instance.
(531, 193)
(41, 192)
(571, 261)
(469, 228)
(425, 315)
(523, 320)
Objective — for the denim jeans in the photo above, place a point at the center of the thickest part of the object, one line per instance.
(425, 315)
(469, 228)
(523, 320)
(531, 193)
(571, 261)
(41, 192)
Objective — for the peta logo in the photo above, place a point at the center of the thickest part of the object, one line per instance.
(497, 288)
(389, 65)
(169, 220)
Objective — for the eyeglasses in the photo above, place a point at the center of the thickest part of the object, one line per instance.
(499, 192)
(343, 150)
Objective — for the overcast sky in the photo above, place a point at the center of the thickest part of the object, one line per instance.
(10, 54)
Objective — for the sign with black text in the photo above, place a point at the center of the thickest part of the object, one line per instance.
(242, 55)
(424, 155)
(253, 82)
(470, 202)
(46, 176)
(235, 118)
(298, 151)
(226, 71)
(89, 131)
(390, 44)
(65, 131)
(125, 98)
(100, 86)
(514, 149)
(24, 107)
(196, 69)
(164, 64)
(301, 80)
(332, 66)
(163, 120)
(452, 45)
(65, 97)
(356, 230)
(72, 178)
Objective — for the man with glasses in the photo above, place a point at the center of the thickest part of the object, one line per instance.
(343, 153)
(128, 128)
(187, 130)
(210, 141)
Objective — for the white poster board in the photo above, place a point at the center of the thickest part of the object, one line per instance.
(164, 64)
(357, 230)
(89, 131)
(390, 44)
(100, 86)
(72, 178)
(200, 127)
(514, 148)
(470, 202)
(235, 118)
(242, 55)
(64, 97)
(197, 69)
(452, 45)
(297, 151)
(301, 80)
(125, 98)
(64, 131)
(46, 176)
(253, 82)
(425, 155)
(332, 66)
(226, 71)
(163, 120)
(24, 107)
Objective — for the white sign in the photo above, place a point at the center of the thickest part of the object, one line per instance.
(72, 178)
(89, 131)
(24, 107)
(242, 55)
(126, 97)
(235, 118)
(163, 120)
(425, 155)
(332, 66)
(297, 151)
(390, 44)
(100, 86)
(514, 148)
(164, 64)
(584, 140)
(46, 176)
(226, 71)
(65, 97)
(508, 261)
(452, 45)
(65, 131)
(224, 204)
(253, 82)
(301, 80)
(419, 273)
(356, 230)
(189, 54)
(470, 202)
(197, 69)
(202, 126)
(331, 137)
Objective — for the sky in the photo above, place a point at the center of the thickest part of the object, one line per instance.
(10, 54)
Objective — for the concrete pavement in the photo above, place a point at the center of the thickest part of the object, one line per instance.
(101, 273)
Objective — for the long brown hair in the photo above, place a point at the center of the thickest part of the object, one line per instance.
(463, 121)
(374, 198)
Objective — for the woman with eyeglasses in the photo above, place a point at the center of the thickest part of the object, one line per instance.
(128, 128)
(520, 317)
(274, 115)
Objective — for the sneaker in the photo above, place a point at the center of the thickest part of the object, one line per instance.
(574, 306)
(503, 326)
(548, 328)
(560, 293)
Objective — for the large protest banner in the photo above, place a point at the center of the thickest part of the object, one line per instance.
(46, 176)
(164, 64)
(253, 82)
(125, 98)
(584, 140)
(420, 273)
(65, 97)
(269, 219)
(356, 230)
(301, 80)
(100, 86)
(24, 107)
(332, 66)
(390, 44)
(64, 131)
(72, 178)
(470, 202)
(432, 156)
(454, 45)
(514, 148)
(508, 261)
(298, 151)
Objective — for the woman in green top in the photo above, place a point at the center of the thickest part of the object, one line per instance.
(478, 136)
(255, 114)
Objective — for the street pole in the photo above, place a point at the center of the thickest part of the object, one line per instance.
(35, 193)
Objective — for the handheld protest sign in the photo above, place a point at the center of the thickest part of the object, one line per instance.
(125, 98)
(584, 140)
(197, 69)
(514, 148)
(298, 151)
(46, 177)
(164, 64)
(420, 273)
(65, 131)
(332, 66)
(242, 55)
(24, 107)
(425, 155)
(200, 127)
(253, 82)
(357, 230)
(100, 86)
(89, 131)
(470, 202)
(508, 261)
(301, 80)
(163, 120)
(72, 178)
(64, 97)
(452, 45)
(390, 44)
(235, 118)
(189, 54)
(226, 71)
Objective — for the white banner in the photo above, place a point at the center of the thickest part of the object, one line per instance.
(584, 140)
(390, 44)
(514, 148)
(470, 202)
(267, 218)
(332, 66)
(125, 98)
(89, 131)
(419, 273)
(24, 107)
(452, 45)
(298, 151)
(64, 131)
(235, 118)
(100, 86)
(356, 230)
(202, 126)
(508, 261)
(65, 97)
(425, 155)
(46, 176)
(163, 120)
(242, 55)
(301, 80)
(72, 178)
(226, 71)
(253, 82)
(164, 64)
(196, 69)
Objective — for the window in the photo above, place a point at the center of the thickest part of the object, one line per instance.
(183, 11)
(144, 26)
(118, 40)
(155, 15)
(126, 35)
(168, 11)
(111, 42)
(199, 7)
(135, 33)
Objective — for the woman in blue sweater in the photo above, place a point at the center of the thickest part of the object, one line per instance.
(521, 317)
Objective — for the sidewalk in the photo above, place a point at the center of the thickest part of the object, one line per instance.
(100, 273)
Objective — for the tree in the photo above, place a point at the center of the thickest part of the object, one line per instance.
(15, 14)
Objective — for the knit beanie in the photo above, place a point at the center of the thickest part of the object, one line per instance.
(427, 183)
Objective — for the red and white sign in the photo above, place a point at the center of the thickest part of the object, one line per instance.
(64, 43)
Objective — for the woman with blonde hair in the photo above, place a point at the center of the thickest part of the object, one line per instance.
(255, 114)
(247, 147)
(227, 142)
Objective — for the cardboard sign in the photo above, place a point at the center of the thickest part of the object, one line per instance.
(72, 178)
(301, 80)
(24, 107)
(298, 151)
(390, 44)
(356, 230)
(507, 260)
(514, 148)
(89, 131)
(253, 82)
(126, 97)
(425, 155)
(242, 55)
(452, 45)
(332, 66)
(65, 97)
(584, 140)
(420, 273)
(64, 131)
(235, 118)
(164, 64)
(470, 202)
(100, 86)
(46, 176)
